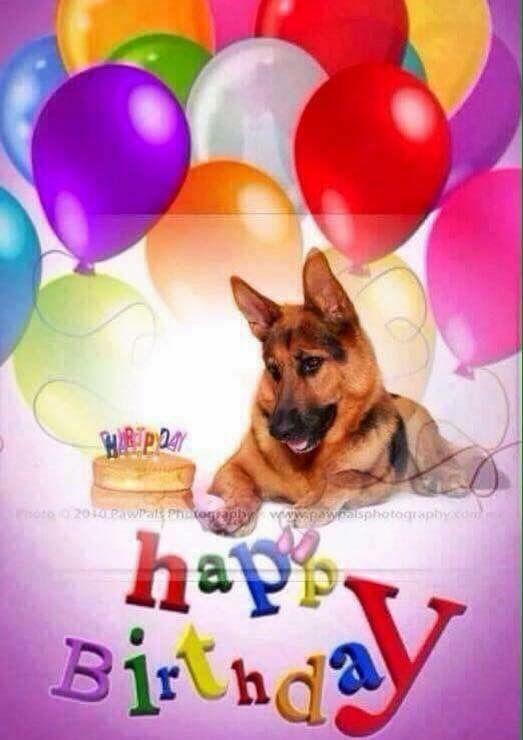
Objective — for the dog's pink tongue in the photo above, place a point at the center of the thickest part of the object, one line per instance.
(299, 445)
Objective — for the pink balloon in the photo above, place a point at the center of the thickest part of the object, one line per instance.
(233, 20)
(473, 269)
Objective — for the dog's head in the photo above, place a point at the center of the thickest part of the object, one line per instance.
(319, 365)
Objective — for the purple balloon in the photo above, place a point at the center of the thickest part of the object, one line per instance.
(110, 152)
(485, 124)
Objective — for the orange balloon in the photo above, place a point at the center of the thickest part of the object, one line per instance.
(229, 219)
(89, 30)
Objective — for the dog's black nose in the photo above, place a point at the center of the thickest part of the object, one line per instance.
(285, 424)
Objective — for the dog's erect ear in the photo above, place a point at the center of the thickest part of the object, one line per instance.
(323, 292)
(260, 312)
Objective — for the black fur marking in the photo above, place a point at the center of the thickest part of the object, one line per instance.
(333, 347)
(283, 336)
(371, 420)
(326, 335)
(398, 448)
(325, 339)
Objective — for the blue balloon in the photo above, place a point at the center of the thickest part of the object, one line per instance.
(20, 271)
(26, 82)
(413, 64)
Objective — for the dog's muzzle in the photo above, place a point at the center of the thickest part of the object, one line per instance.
(300, 430)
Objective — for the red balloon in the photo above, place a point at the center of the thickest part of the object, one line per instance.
(339, 33)
(372, 153)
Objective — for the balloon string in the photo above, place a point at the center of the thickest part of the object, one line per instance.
(414, 277)
(421, 473)
(37, 271)
(493, 450)
(490, 453)
(417, 327)
(104, 324)
(428, 355)
(506, 423)
(100, 327)
(65, 381)
(90, 333)
(417, 332)
(490, 458)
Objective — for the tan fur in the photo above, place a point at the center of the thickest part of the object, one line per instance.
(351, 466)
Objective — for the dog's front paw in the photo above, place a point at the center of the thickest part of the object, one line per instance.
(230, 520)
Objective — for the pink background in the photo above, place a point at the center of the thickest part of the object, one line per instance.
(66, 575)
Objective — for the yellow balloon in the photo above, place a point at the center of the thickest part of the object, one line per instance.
(452, 39)
(89, 30)
(81, 363)
(394, 312)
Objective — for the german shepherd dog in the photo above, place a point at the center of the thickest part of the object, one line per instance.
(325, 434)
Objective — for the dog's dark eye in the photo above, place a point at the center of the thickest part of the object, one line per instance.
(274, 372)
(310, 365)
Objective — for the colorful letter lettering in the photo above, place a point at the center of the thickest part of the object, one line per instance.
(254, 678)
(259, 588)
(165, 674)
(138, 665)
(148, 564)
(314, 682)
(351, 720)
(361, 673)
(99, 674)
(192, 649)
(213, 576)
(312, 588)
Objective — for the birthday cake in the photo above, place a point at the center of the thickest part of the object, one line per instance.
(156, 480)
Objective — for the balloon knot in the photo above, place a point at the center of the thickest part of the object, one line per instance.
(84, 268)
(361, 270)
(464, 371)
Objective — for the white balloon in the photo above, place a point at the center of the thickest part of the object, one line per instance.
(246, 103)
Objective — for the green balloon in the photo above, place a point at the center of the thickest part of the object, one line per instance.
(80, 365)
(177, 61)
(413, 64)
